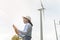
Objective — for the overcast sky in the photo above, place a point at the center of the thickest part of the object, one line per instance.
(11, 12)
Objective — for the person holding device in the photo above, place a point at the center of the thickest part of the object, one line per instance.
(26, 33)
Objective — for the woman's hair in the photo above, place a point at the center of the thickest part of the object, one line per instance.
(30, 22)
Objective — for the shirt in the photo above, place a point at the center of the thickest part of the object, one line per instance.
(27, 30)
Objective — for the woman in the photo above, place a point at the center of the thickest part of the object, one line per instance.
(26, 33)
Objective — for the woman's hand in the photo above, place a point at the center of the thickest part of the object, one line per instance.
(16, 30)
(14, 26)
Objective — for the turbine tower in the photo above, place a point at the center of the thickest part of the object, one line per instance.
(41, 14)
(56, 29)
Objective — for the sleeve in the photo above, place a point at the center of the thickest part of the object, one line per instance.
(24, 32)
(20, 34)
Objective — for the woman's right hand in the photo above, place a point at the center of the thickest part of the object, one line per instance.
(16, 30)
(14, 26)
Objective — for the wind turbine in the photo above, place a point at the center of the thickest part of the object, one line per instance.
(41, 14)
(56, 29)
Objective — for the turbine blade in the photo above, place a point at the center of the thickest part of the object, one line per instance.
(43, 13)
(42, 8)
(42, 4)
(59, 22)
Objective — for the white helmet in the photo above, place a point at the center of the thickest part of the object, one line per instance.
(28, 17)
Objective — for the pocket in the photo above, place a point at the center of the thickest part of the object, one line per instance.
(27, 38)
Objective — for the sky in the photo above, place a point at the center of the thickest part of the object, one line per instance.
(11, 12)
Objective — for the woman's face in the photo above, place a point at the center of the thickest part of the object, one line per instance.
(25, 20)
